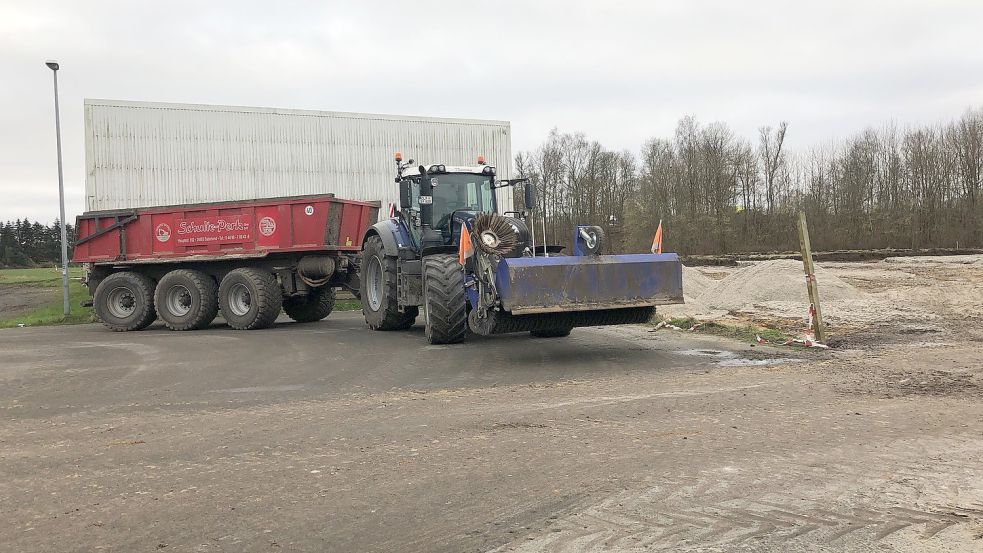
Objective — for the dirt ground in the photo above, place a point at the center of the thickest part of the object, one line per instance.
(17, 299)
(329, 437)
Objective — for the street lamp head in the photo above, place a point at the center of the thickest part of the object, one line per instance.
(52, 64)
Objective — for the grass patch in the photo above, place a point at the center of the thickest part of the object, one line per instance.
(51, 311)
(347, 305)
(40, 276)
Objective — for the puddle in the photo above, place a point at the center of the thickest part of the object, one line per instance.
(742, 362)
(731, 359)
(712, 353)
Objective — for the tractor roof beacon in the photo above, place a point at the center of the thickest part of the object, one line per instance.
(501, 280)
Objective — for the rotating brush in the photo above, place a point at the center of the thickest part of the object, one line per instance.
(496, 236)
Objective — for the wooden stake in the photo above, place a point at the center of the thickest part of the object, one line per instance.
(819, 331)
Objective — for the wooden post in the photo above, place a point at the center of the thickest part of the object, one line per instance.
(819, 331)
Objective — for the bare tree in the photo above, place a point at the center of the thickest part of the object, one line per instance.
(770, 149)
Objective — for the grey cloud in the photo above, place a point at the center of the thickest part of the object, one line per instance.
(620, 71)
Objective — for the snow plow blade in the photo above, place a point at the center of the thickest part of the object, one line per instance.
(564, 284)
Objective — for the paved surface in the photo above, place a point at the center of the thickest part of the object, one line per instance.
(322, 438)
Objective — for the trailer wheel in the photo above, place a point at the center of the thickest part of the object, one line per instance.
(445, 307)
(380, 303)
(551, 333)
(186, 300)
(125, 301)
(312, 307)
(250, 299)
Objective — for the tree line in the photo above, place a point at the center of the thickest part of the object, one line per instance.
(716, 192)
(27, 244)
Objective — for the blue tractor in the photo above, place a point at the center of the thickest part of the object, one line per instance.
(449, 251)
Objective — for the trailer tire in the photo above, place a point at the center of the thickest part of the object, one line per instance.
(377, 287)
(551, 333)
(186, 299)
(250, 298)
(124, 301)
(313, 307)
(445, 306)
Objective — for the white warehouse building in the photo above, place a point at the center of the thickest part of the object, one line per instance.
(141, 154)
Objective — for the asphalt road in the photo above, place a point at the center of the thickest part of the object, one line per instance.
(329, 437)
(85, 369)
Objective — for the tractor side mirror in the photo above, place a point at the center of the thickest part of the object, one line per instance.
(406, 193)
(529, 196)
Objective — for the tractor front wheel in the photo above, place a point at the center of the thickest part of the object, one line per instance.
(445, 307)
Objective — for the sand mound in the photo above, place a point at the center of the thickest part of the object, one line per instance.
(695, 282)
(779, 280)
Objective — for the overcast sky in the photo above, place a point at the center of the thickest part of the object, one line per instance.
(621, 72)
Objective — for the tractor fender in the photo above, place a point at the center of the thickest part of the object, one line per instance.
(392, 233)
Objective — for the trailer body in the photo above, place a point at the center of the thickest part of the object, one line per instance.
(253, 228)
(288, 252)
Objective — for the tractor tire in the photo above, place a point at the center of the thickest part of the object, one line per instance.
(310, 308)
(186, 300)
(380, 302)
(125, 301)
(445, 306)
(551, 333)
(250, 299)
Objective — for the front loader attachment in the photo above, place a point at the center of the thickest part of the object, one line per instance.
(565, 284)
(550, 293)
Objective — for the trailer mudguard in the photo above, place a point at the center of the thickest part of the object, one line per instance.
(528, 285)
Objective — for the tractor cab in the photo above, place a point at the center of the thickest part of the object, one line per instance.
(451, 195)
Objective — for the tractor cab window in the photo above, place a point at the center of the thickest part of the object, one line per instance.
(460, 191)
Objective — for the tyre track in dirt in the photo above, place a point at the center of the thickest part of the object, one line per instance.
(849, 507)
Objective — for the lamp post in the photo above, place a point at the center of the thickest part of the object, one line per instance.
(53, 65)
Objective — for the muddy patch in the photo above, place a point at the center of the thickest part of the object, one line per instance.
(19, 299)
(901, 383)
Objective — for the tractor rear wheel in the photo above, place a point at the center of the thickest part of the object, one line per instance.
(310, 308)
(125, 301)
(186, 300)
(380, 303)
(445, 307)
(250, 298)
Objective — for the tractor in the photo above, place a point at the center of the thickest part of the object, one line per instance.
(449, 251)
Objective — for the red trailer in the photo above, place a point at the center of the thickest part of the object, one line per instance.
(248, 258)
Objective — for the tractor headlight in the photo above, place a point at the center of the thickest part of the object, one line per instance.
(488, 170)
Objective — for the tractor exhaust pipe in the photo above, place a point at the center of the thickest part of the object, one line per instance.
(430, 237)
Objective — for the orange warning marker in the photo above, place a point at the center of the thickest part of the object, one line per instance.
(466, 248)
(657, 241)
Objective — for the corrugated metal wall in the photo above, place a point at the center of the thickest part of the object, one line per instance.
(142, 154)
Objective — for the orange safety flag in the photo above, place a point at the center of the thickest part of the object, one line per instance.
(657, 241)
(466, 248)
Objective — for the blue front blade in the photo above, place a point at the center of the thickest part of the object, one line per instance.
(564, 283)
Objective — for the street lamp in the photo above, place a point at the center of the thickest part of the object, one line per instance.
(53, 65)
